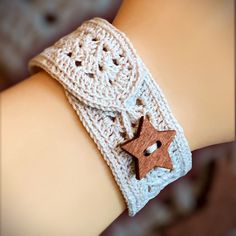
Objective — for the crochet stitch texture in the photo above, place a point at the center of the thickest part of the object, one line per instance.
(110, 88)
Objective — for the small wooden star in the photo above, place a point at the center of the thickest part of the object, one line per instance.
(149, 148)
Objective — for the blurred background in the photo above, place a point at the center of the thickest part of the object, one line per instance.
(201, 203)
(28, 26)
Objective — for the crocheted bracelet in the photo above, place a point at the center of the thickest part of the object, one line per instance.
(122, 108)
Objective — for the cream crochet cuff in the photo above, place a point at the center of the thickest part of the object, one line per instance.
(110, 88)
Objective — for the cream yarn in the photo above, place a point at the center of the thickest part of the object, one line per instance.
(110, 88)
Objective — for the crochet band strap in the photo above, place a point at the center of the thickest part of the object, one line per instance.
(110, 88)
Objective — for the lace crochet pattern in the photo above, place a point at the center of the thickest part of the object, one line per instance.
(110, 88)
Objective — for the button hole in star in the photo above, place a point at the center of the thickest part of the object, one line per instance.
(149, 150)
(158, 142)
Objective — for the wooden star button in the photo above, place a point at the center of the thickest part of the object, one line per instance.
(149, 148)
